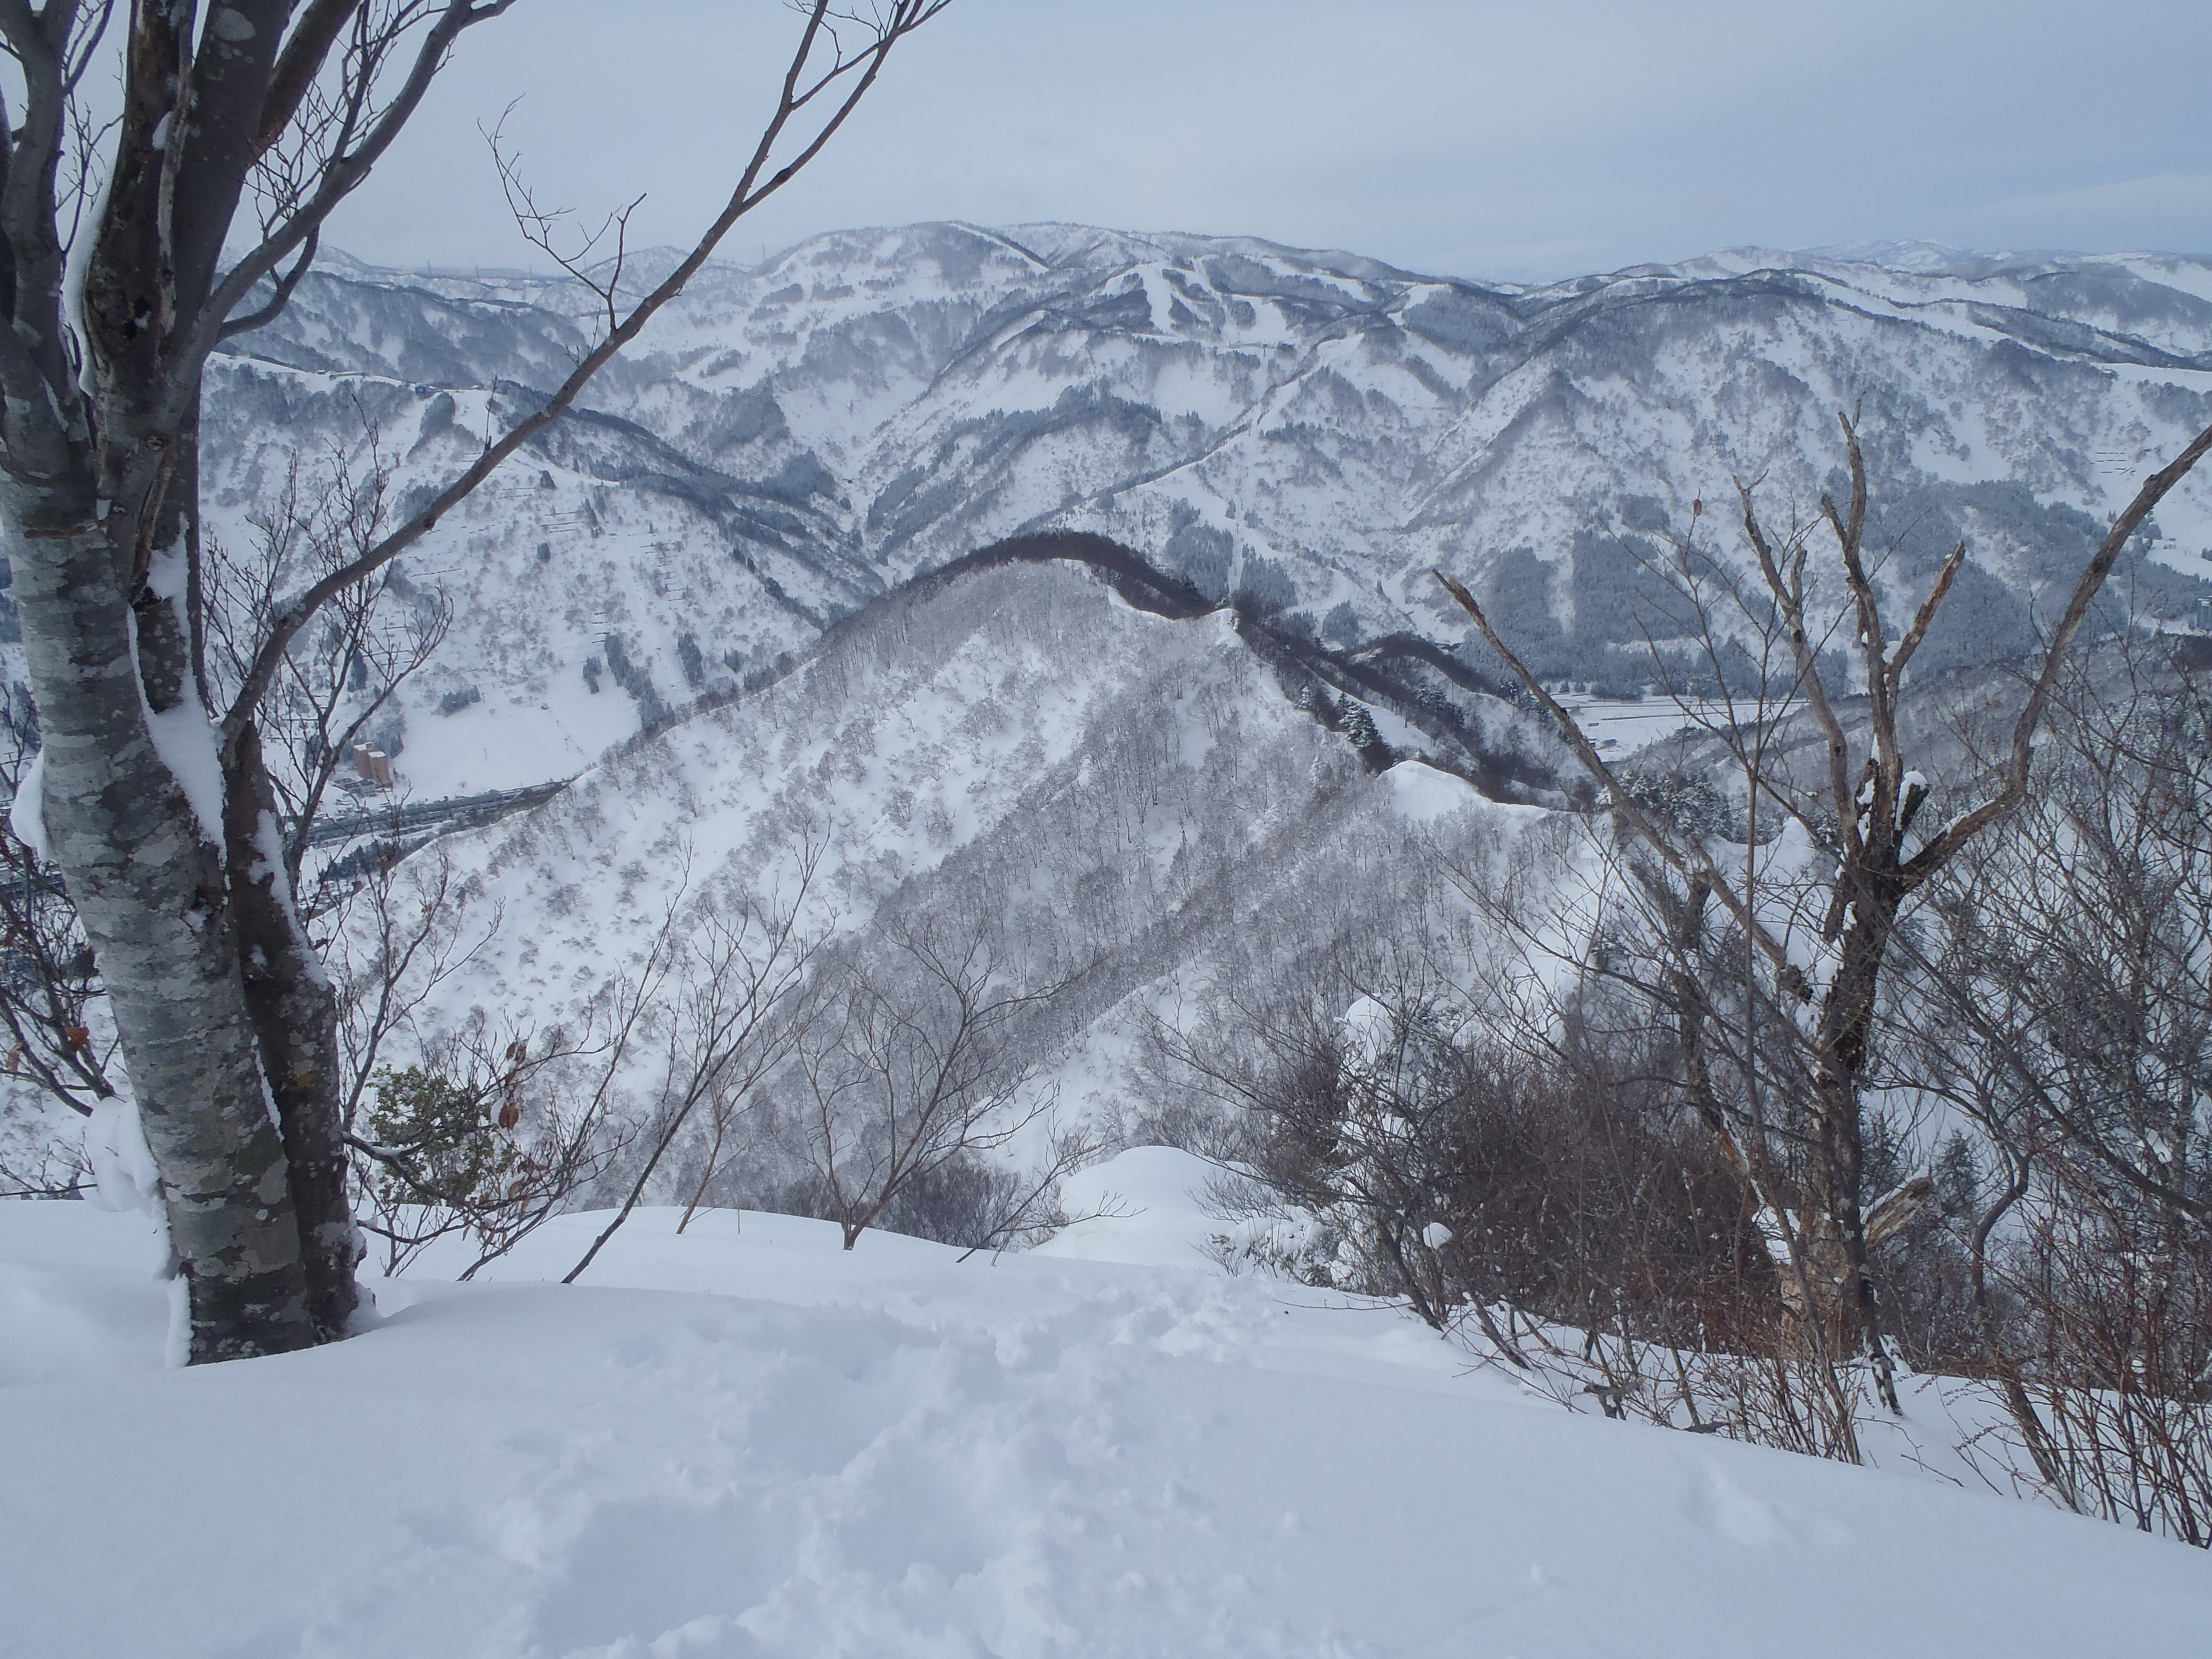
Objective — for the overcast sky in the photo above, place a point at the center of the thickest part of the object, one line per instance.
(1530, 141)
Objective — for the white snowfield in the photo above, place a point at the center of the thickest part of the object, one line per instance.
(744, 1442)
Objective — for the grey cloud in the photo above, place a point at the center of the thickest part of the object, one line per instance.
(1475, 138)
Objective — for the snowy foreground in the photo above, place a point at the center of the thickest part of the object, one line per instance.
(743, 1442)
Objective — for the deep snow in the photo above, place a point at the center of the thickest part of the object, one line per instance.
(745, 1441)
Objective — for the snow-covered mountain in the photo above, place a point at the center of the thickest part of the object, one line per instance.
(1307, 431)
(1163, 807)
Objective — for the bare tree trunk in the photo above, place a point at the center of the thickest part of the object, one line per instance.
(150, 886)
(293, 1010)
(1834, 1212)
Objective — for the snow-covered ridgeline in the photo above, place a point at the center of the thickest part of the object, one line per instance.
(1312, 431)
(1108, 788)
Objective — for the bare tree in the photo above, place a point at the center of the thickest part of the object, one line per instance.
(740, 966)
(1872, 851)
(263, 115)
(915, 1068)
(2065, 1009)
(336, 680)
(744, 1010)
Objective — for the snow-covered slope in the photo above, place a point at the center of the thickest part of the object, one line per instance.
(1311, 431)
(746, 1442)
(1148, 800)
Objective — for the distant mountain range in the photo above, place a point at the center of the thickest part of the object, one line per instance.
(1304, 433)
(710, 596)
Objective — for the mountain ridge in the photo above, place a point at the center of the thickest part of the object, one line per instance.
(1301, 433)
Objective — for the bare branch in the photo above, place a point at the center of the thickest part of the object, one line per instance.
(280, 298)
(1928, 607)
(1939, 850)
(300, 61)
(1622, 802)
(345, 174)
(894, 24)
(1789, 598)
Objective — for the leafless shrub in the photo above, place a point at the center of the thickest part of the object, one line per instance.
(1417, 1151)
(730, 1013)
(61, 1045)
(2114, 1338)
(490, 1129)
(2066, 1011)
(911, 1073)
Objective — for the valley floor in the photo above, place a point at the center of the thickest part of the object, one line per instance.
(745, 1441)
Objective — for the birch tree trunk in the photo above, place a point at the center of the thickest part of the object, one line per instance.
(149, 884)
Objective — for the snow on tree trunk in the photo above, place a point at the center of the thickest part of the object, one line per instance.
(148, 883)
